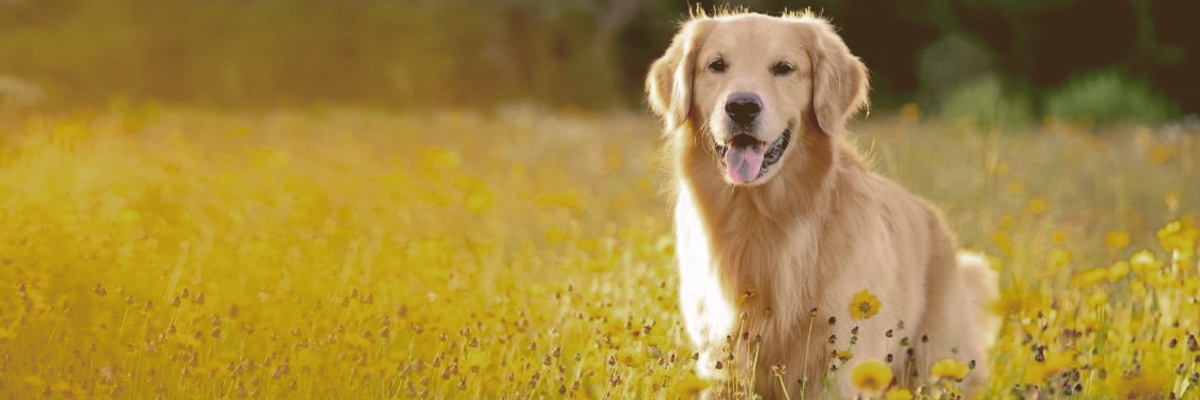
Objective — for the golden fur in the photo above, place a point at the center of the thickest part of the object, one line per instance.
(813, 229)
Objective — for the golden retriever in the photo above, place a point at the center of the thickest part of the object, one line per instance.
(780, 223)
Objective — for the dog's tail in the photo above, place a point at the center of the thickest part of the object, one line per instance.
(981, 281)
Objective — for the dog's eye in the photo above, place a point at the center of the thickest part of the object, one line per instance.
(782, 69)
(717, 66)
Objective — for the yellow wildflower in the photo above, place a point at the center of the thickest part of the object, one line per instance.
(1179, 237)
(910, 112)
(898, 394)
(479, 199)
(435, 160)
(1057, 259)
(864, 305)
(1089, 277)
(1059, 236)
(1117, 239)
(1054, 363)
(1037, 206)
(1143, 262)
(688, 387)
(477, 359)
(1152, 383)
(871, 376)
(565, 200)
(1119, 270)
(949, 368)
(1016, 302)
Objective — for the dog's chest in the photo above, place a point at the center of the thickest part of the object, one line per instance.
(749, 272)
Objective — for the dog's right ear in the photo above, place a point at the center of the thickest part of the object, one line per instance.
(669, 82)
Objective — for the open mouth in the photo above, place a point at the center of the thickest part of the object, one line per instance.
(746, 158)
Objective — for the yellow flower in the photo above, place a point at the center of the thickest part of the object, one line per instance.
(1037, 206)
(949, 368)
(871, 376)
(477, 359)
(1152, 383)
(898, 394)
(1179, 237)
(1057, 259)
(479, 199)
(565, 200)
(556, 235)
(1090, 277)
(1059, 236)
(688, 387)
(1117, 239)
(1053, 364)
(1016, 302)
(435, 160)
(1003, 241)
(910, 112)
(1118, 271)
(864, 305)
(1144, 261)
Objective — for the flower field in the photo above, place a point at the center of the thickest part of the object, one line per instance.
(522, 253)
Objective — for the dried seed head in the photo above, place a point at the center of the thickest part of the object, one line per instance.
(779, 369)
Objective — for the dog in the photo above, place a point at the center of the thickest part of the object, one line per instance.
(779, 222)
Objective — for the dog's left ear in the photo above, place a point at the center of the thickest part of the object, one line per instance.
(839, 78)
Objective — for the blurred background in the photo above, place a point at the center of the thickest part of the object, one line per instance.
(1005, 61)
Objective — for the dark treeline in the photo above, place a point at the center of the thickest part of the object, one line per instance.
(586, 53)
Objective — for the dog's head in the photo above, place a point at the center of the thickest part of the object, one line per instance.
(751, 83)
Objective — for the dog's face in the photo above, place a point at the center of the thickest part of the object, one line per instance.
(749, 84)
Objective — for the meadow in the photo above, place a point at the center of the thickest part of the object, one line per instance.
(526, 253)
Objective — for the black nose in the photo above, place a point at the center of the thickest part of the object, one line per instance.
(743, 107)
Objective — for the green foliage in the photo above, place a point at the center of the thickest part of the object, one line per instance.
(986, 103)
(586, 53)
(1106, 96)
(258, 52)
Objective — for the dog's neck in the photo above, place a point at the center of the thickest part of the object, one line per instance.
(752, 229)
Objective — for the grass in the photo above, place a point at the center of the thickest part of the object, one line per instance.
(521, 254)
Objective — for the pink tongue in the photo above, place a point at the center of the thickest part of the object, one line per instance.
(744, 162)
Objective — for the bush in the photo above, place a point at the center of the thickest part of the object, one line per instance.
(985, 102)
(1103, 97)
